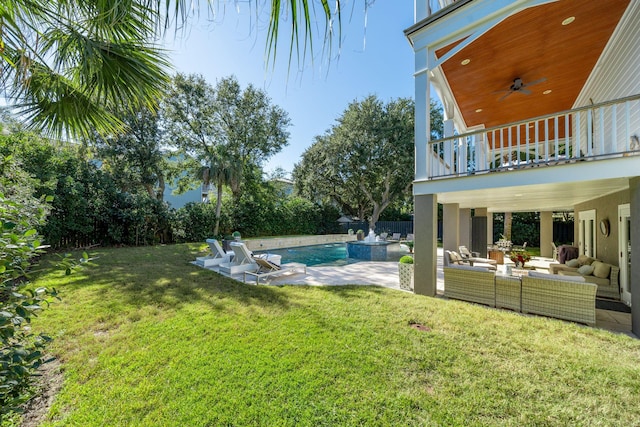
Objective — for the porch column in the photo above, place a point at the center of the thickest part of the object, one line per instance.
(450, 226)
(465, 228)
(634, 193)
(422, 124)
(425, 249)
(546, 234)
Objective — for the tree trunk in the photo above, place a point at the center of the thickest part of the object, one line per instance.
(508, 219)
(160, 190)
(218, 208)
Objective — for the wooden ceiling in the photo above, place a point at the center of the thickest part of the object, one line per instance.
(531, 45)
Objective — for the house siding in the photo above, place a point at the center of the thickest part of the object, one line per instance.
(616, 73)
(606, 208)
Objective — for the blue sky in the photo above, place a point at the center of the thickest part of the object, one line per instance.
(375, 58)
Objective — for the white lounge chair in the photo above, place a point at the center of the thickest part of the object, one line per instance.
(217, 256)
(395, 236)
(242, 260)
(267, 268)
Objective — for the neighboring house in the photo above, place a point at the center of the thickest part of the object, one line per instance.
(284, 185)
(542, 113)
(198, 195)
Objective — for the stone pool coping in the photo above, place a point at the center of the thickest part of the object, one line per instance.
(268, 243)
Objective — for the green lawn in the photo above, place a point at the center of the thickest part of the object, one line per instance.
(147, 339)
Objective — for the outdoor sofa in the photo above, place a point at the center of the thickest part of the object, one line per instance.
(594, 271)
(563, 297)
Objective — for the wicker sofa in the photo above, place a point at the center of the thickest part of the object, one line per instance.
(475, 284)
(602, 274)
(557, 296)
(562, 297)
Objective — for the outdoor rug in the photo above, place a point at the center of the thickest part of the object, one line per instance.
(605, 304)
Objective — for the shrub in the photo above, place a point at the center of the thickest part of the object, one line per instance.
(22, 351)
(406, 259)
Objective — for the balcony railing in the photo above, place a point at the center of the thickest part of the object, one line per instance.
(435, 5)
(609, 129)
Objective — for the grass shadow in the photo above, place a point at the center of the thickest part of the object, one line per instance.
(163, 275)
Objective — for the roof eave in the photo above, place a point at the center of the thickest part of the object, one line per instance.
(434, 17)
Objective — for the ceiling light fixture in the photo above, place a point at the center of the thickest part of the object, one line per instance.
(569, 20)
(465, 61)
(547, 92)
(479, 110)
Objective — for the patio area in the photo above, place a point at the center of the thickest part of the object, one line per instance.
(386, 274)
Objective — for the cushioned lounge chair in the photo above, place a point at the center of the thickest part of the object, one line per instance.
(242, 260)
(217, 256)
(267, 268)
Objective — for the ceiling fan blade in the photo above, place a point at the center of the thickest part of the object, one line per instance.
(501, 91)
(503, 97)
(525, 91)
(535, 82)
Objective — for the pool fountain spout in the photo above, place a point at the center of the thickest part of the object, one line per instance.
(371, 238)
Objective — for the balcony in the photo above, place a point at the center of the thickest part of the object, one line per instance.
(600, 131)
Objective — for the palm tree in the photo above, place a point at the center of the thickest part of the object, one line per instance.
(223, 171)
(67, 64)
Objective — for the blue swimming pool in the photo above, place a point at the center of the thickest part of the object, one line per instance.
(322, 255)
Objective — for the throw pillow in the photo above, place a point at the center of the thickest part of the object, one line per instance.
(601, 270)
(585, 260)
(573, 263)
(586, 270)
(455, 257)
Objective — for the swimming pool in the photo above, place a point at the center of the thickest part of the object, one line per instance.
(329, 254)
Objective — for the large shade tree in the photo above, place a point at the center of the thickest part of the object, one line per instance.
(365, 161)
(222, 134)
(134, 157)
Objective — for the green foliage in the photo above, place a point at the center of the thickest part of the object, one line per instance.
(68, 64)
(406, 259)
(21, 351)
(365, 162)
(134, 158)
(193, 223)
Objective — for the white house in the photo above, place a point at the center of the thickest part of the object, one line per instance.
(542, 113)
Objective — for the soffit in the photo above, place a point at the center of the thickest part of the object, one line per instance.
(531, 45)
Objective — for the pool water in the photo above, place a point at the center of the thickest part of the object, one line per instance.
(330, 254)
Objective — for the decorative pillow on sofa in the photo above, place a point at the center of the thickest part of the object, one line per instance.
(455, 258)
(585, 260)
(586, 270)
(601, 270)
(573, 263)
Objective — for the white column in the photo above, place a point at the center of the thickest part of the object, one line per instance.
(420, 10)
(546, 234)
(465, 228)
(425, 250)
(450, 226)
(422, 119)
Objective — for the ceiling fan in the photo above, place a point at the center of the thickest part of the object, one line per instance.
(519, 86)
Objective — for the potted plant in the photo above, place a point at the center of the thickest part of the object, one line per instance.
(350, 232)
(405, 270)
(236, 235)
(519, 257)
(360, 234)
(409, 244)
